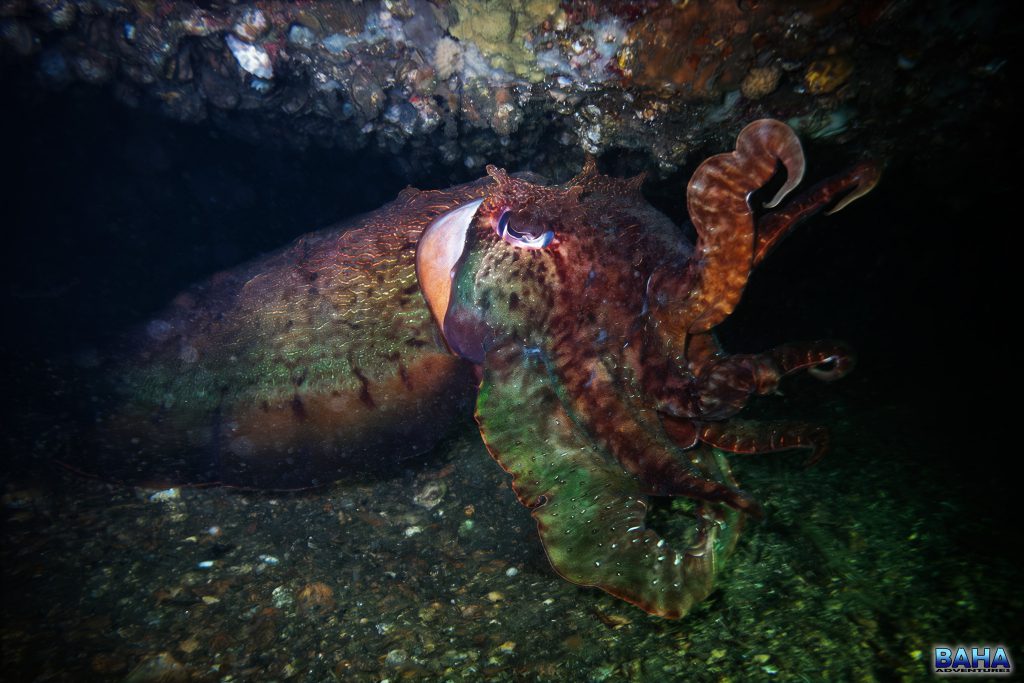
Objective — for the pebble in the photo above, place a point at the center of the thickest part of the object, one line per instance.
(301, 36)
(269, 559)
(413, 530)
(511, 571)
(431, 494)
(316, 596)
(251, 25)
(281, 597)
(165, 495)
(252, 58)
(396, 658)
(161, 668)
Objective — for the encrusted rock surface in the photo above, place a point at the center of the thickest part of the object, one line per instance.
(528, 83)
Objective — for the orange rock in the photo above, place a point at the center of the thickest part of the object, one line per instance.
(316, 597)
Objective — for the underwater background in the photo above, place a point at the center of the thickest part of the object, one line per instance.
(905, 536)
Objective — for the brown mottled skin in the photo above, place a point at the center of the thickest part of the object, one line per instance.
(588, 317)
(322, 357)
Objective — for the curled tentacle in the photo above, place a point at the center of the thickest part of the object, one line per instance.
(748, 436)
(632, 436)
(724, 385)
(717, 198)
(847, 187)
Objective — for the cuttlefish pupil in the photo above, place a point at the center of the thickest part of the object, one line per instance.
(524, 240)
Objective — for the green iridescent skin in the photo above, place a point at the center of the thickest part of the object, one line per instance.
(561, 398)
(587, 315)
(601, 383)
(292, 370)
(591, 513)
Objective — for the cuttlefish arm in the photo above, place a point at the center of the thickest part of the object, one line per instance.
(590, 512)
(718, 202)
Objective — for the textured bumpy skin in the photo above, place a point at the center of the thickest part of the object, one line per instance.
(589, 512)
(602, 384)
(289, 371)
(589, 318)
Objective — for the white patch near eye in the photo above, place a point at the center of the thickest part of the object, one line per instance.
(519, 239)
(439, 249)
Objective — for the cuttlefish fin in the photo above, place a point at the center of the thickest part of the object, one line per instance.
(589, 511)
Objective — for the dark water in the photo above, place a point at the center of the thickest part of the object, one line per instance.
(906, 536)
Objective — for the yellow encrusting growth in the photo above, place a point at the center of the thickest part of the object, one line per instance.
(499, 29)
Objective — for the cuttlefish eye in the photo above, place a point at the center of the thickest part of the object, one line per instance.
(523, 240)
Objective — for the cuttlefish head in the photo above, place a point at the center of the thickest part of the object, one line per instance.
(525, 259)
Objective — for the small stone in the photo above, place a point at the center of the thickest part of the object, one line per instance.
(251, 24)
(161, 668)
(430, 612)
(316, 596)
(396, 658)
(507, 648)
(826, 75)
(431, 494)
(413, 530)
(165, 495)
(495, 596)
(336, 43)
(616, 621)
(252, 58)
(210, 600)
(188, 646)
(573, 642)
(301, 35)
(511, 571)
(760, 82)
(281, 597)
(269, 559)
